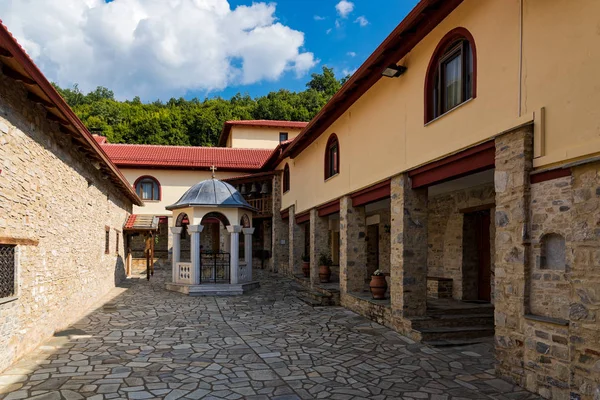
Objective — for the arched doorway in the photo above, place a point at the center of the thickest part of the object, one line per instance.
(215, 248)
(183, 221)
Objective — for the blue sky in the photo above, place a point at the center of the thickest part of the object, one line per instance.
(331, 49)
(158, 49)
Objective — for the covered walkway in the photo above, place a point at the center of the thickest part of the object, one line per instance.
(145, 342)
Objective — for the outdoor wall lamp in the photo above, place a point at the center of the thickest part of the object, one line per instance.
(393, 71)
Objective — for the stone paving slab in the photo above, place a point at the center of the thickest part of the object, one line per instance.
(154, 344)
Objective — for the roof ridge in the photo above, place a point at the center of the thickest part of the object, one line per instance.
(188, 147)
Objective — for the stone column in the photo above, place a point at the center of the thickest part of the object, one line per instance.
(319, 243)
(514, 162)
(296, 240)
(195, 231)
(248, 232)
(234, 257)
(353, 247)
(279, 246)
(408, 261)
(176, 252)
(169, 240)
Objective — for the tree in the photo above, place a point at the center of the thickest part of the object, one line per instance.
(193, 122)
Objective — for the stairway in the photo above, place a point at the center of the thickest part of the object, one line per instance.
(453, 326)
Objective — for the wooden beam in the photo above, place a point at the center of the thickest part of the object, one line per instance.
(329, 208)
(53, 117)
(371, 194)
(5, 53)
(18, 241)
(37, 99)
(17, 76)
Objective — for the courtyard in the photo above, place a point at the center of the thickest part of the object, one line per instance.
(143, 342)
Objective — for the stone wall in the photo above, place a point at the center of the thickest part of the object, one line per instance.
(446, 229)
(280, 236)
(551, 214)
(51, 194)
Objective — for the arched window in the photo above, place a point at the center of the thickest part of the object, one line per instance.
(332, 157)
(452, 74)
(148, 188)
(286, 178)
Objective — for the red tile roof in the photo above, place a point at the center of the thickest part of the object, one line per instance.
(135, 155)
(258, 122)
(136, 222)
(99, 139)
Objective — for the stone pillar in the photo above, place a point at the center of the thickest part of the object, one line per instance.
(319, 243)
(234, 257)
(248, 232)
(408, 261)
(296, 240)
(353, 247)
(195, 231)
(279, 246)
(514, 162)
(176, 250)
(169, 240)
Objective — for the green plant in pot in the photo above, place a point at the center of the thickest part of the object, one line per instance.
(378, 285)
(306, 265)
(325, 263)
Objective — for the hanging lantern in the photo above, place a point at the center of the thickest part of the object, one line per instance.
(265, 188)
(254, 188)
(243, 190)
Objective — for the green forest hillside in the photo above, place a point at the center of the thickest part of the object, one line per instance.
(193, 122)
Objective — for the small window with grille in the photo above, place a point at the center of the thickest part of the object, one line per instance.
(117, 242)
(7, 271)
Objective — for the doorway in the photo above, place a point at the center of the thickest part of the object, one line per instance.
(476, 274)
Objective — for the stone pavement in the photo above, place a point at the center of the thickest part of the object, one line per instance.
(147, 343)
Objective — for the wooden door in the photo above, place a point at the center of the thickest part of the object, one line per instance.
(484, 255)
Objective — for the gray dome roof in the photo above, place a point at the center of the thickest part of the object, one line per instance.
(211, 193)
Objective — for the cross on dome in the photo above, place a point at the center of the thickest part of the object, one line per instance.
(213, 169)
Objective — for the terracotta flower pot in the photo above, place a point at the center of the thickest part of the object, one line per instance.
(378, 287)
(324, 273)
(306, 269)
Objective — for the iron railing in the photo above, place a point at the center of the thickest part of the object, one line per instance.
(7, 271)
(214, 267)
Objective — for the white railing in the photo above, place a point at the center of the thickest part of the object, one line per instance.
(185, 273)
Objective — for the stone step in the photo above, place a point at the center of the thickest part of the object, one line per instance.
(454, 320)
(465, 310)
(455, 333)
(315, 299)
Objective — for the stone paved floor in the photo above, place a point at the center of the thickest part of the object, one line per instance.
(149, 343)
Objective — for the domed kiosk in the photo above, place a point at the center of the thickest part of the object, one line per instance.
(216, 271)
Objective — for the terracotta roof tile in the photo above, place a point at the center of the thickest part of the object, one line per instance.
(132, 155)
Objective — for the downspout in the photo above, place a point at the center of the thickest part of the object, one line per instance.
(520, 56)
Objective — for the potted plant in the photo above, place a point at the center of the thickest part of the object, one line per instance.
(306, 265)
(378, 285)
(325, 263)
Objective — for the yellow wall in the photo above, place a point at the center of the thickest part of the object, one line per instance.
(257, 137)
(174, 184)
(384, 134)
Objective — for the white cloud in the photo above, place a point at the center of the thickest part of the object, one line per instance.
(318, 18)
(362, 21)
(328, 31)
(344, 8)
(348, 72)
(156, 48)
(351, 54)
